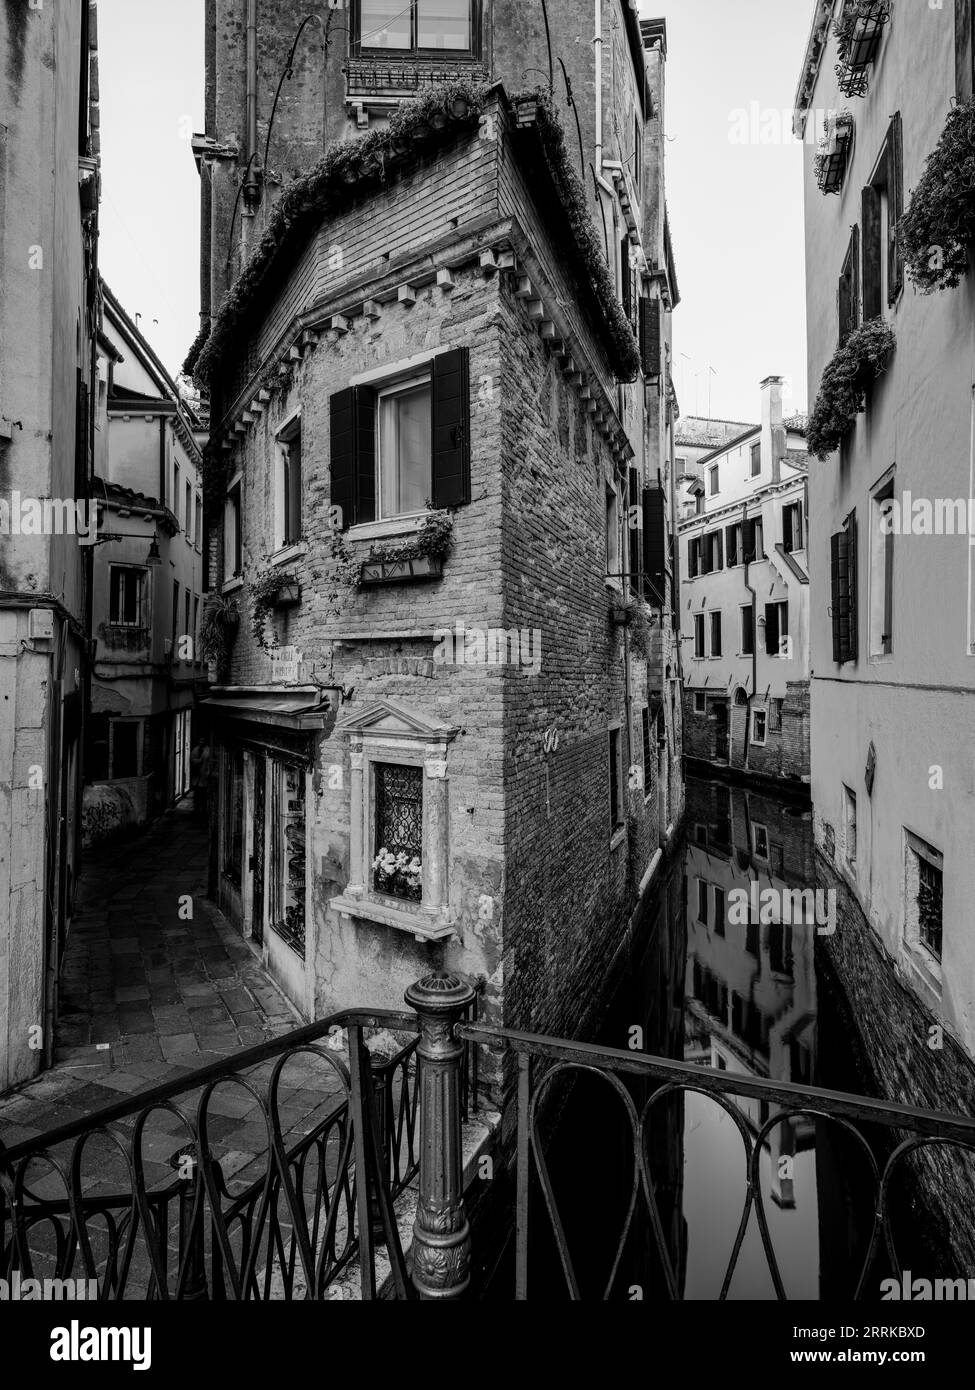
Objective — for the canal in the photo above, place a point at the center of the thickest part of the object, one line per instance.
(719, 977)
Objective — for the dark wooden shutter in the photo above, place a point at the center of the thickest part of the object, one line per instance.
(654, 545)
(840, 591)
(872, 298)
(844, 308)
(964, 49)
(365, 454)
(772, 629)
(634, 523)
(626, 278)
(451, 429)
(855, 277)
(650, 337)
(895, 206)
(342, 458)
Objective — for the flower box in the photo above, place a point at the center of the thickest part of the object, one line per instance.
(400, 571)
(833, 155)
(859, 30)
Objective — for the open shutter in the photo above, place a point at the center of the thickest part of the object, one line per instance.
(365, 454)
(451, 429)
(851, 532)
(872, 299)
(626, 278)
(634, 523)
(343, 454)
(839, 572)
(772, 629)
(895, 203)
(654, 546)
(650, 344)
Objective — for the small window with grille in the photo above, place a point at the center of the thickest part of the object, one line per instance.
(398, 863)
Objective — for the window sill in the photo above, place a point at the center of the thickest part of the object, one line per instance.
(422, 925)
(617, 838)
(390, 527)
(922, 969)
(288, 552)
(232, 585)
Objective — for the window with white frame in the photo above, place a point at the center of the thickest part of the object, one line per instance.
(405, 446)
(233, 563)
(287, 510)
(127, 588)
(850, 825)
(759, 726)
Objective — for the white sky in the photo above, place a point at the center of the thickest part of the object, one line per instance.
(735, 208)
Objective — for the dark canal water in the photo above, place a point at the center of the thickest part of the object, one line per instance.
(753, 998)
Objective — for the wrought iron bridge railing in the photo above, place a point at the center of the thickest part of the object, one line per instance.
(310, 1216)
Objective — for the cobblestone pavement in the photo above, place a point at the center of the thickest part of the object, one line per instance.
(147, 996)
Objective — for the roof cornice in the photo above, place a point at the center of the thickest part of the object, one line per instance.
(808, 77)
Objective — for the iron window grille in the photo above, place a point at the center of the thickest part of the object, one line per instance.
(398, 829)
(833, 155)
(859, 31)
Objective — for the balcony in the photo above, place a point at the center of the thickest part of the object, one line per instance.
(859, 31)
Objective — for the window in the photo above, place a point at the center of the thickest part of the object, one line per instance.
(702, 901)
(712, 552)
(288, 486)
(125, 748)
(126, 595)
(843, 591)
(775, 716)
(428, 25)
(176, 494)
(694, 557)
(718, 911)
(715, 634)
(233, 564)
(397, 447)
(637, 165)
(849, 288)
(612, 534)
(616, 779)
(792, 526)
(648, 754)
(196, 628)
(882, 209)
(780, 948)
(713, 481)
(700, 702)
(698, 503)
(759, 727)
(233, 814)
(733, 544)
(747, 629)
(850, 825)
(756, 461)
(175, 622)
(198, 528)
(699, 650)
(398, 831)
(924, 885)
(777, 630)
(187, 630)
(754, 540)
(287, 871)
(760, 841)
(189, 511)
(882, 573)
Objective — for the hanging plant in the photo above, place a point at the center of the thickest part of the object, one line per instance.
(938, 228)
(264, 589)
(435, 538)
(218, 628)
(842, 391)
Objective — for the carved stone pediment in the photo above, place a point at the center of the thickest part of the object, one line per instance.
(387, 720)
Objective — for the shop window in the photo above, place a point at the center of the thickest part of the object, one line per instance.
(233, 815)
(287, 867)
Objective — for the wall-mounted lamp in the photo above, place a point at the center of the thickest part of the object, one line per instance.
(153, 558)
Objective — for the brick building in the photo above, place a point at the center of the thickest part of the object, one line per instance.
(49, 190)
(440, 475)
(745, 614)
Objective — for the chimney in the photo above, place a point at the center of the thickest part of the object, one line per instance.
(774, 436)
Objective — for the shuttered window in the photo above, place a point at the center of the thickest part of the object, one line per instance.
(634, 526)
(872, 286)
(849, 288)
(423, 448)
(651, 312)
(654, 546)
(843, 593)
(895, 207)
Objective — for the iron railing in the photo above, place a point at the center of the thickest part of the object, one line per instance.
(323, 1202)
(542, 1061)
(76, 1203)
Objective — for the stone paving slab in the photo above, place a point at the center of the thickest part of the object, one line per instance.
(147, 996)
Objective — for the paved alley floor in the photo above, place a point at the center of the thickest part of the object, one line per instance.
(147, 996)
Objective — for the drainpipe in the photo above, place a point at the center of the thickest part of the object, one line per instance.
(754, 597)
(252, 186)
(598, 45)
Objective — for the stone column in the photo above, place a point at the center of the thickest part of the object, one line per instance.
(441, 1235)
(435, 834)
(357, 871)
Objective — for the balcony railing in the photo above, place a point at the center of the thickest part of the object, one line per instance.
(324, 1204)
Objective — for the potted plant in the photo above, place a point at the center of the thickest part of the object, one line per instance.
(856, 363)
(398, 875)
(270, 589)
(218, 628)
(937, 230)
(421, 556)
(858, 29)
(832, 155)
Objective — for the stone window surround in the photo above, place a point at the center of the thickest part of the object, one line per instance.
(922, 965)
(429, 920)
(759, 742)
